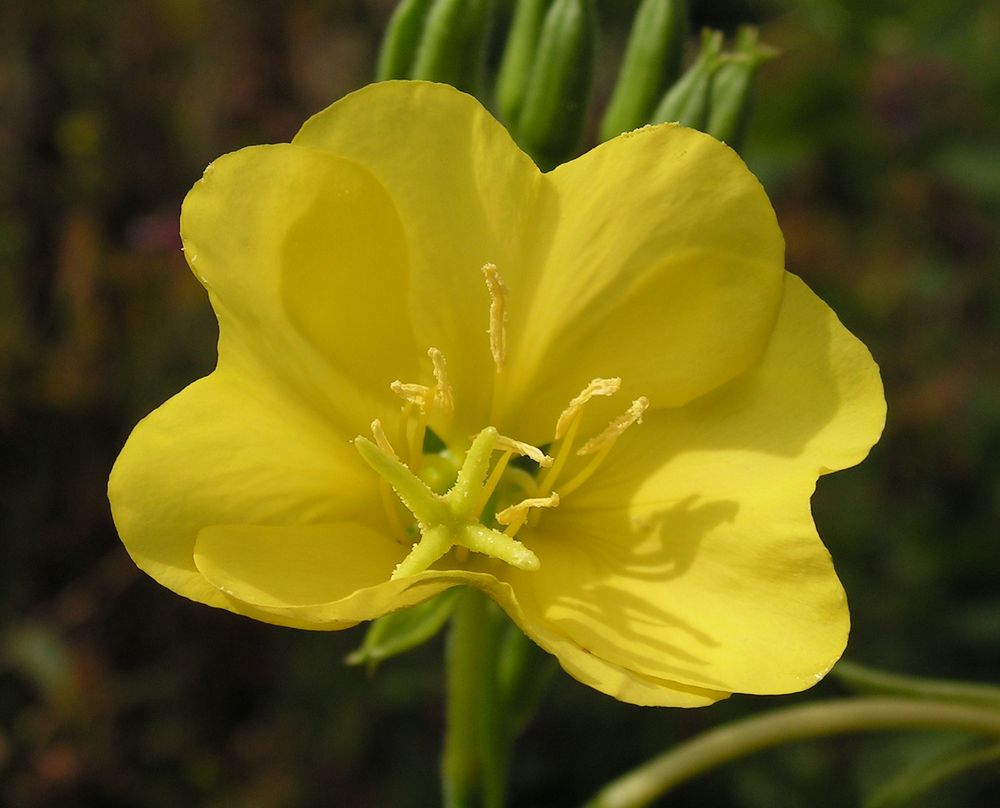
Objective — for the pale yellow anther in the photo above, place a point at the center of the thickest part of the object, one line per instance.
(633, 415)
(506, 444)
(381, 440)
(444, 399)
(498, 314)
(597, 387)
(418, 394)
(517, 512)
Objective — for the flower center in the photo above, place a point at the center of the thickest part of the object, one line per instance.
(472, 502)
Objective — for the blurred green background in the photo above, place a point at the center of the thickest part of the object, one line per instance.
(877, 134)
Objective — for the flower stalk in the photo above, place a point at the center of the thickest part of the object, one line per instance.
(686, 761)
(476, 748)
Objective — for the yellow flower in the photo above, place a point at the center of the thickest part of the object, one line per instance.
(634, 397)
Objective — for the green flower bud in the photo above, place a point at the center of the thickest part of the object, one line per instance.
(519, 56)
(453, 46)
(652, 63)
(401, 40)
(555, 101)
(731, 95)
(687, 101)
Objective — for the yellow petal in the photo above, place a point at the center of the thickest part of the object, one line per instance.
(467, 196)
(305, 262)
(299, 575)
(227, 450)
(665, 269)
(518, 598)
(320, 576)
(626, 685)
(692, 555)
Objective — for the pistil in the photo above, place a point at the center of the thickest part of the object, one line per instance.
(449, 520)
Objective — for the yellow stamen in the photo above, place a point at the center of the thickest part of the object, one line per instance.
(404, 423)
(596, 387)
(498, 335)
(389, 504)
(509, 514)
(601, 445)
(562, 455)
(492, 481)
(444, 399)
(569, 422)
(633, 415)
(381, 440)
(498, 314)
(514, 516)
(524, 449)
(416, 394)
(417, 437)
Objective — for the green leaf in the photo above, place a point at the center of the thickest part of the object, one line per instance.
(404, 630)
(652, 62)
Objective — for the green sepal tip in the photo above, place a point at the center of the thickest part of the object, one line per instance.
(686, 102)
(399, 632)
(731, 95)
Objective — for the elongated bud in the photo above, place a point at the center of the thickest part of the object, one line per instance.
(731, 96)
(555, 101)
(687, 101)
(452, 48)
(652, 62)
(519, 56)
(401, 40)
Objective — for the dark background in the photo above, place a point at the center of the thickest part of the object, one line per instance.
(878, 137)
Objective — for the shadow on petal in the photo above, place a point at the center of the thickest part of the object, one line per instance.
(605, 583)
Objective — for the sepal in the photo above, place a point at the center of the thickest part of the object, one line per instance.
(402, 631)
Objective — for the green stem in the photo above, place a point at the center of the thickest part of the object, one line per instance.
(872, 681)
(475, 749)
(715, 747)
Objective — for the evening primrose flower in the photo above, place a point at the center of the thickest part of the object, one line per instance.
(594, 394)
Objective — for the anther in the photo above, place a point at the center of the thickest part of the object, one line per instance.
(510, 514)
(498, 314)
(601, 445)
(509, 447)
(597, 387)
(515, 516)
(633, 415)
(444, 399)
(417, 394)
(569, 422)
(524, 449)
(381, 440)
